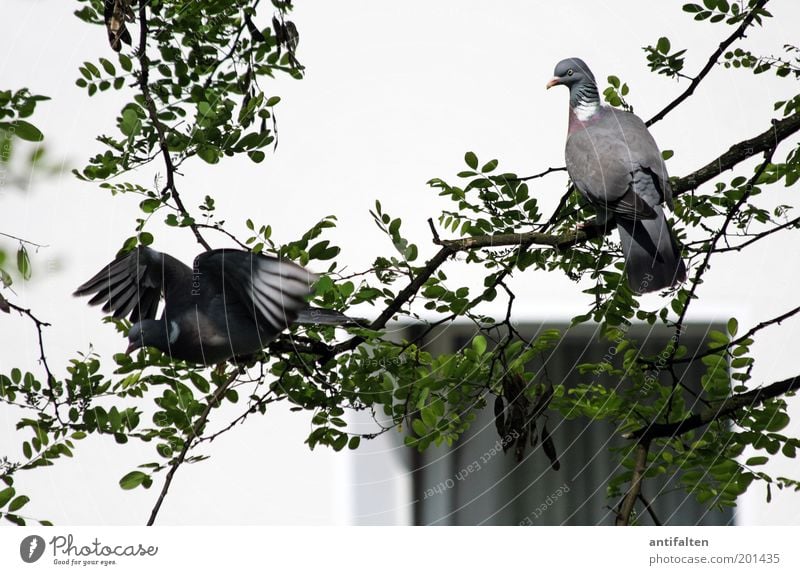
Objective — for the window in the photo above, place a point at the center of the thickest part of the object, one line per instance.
(475, 483)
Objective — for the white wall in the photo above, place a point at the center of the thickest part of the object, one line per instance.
(395, 94)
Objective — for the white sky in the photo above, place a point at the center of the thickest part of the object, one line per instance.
(395, 93)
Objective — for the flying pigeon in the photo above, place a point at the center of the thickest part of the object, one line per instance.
(230, 303)
(616, 165)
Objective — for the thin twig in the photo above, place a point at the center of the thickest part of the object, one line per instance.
(792, 223)
(542, 174)
(197, 428)
(23, 240)
(703, 267)
(223, 231)
(51, 381)
(738, 340)
(738, 33)
(435, 234)
(649, 509)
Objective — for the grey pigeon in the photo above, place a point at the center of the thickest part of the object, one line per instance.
(231, 303)
(616, 165)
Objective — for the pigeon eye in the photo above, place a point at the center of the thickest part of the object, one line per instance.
(569, 72)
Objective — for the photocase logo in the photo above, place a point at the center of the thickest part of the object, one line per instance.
(31, 548)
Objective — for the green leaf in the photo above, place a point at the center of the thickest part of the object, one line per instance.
(199, 382)
(6, 495)
(26, 131)
(150, 205)
(257, 156)
(130, 124)
(733, 326)
(18, 503)
(758, 460)
(428, 417)
(419, 427)
(125, 62)
(108, 67)
(133, 480)
(663, 45)
(479, 344)
(778, 421)
(471, 159)
(145, 238)
(209, 154)
(23, 263)
(489, 166)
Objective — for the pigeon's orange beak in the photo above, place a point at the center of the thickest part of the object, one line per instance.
(553, 82)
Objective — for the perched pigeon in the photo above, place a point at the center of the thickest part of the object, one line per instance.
(230, 303)
(616, 165)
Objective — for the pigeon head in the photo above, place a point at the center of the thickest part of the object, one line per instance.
(572, 72)
(583, 97)
(152, 333)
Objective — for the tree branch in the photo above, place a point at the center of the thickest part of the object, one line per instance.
(737, 248)
(51, 381)
(780, 130)
(726, 408)
(23, 240)
(543, 174)
(769, 139)
(738, 340)
(649, 508)
(194, 434)
(152, 112)
(766, 141)
(703, 267)
(626, 507)
(405, 294)
(738, 33)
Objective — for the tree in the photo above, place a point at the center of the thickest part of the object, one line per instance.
(196, 75)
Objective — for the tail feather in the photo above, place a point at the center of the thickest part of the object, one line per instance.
(652, 256)
(320, 316)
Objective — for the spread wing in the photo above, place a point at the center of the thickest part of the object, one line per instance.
(133, 283)
(269, 289)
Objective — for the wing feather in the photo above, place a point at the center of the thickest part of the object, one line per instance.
(133, 283)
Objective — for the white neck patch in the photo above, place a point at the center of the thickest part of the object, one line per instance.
(586, 110)
(174, 331)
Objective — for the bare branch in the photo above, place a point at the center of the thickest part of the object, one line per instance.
(649, 508)
(626, 507)
(51, 381)
(23, 240)
(542, 174)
